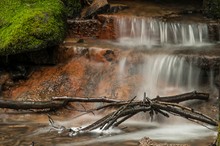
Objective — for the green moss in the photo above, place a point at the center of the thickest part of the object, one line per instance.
(27, 25)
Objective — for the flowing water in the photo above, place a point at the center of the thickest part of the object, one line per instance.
(147, 63)
(150, 32)
(163, 71)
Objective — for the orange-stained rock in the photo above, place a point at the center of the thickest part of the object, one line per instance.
(83, 28)
(101, 55)
(76, 76)
(107, 31)
(45, 82)
(101, 28)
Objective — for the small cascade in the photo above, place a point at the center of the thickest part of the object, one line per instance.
(135, 31)
(165, 73)
(122, 63)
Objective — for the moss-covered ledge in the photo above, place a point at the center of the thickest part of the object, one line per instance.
(28, 25)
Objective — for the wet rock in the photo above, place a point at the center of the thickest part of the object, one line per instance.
(93, 53)
(103, 28)
(65, 53)
(80, 41)
(45, 82)
(217, 83)
(40, 57)
(114, 8)
(8, 84)
(97, 7)
(109, 55)
(19, 72)
(101, 55)
(214, 31)
(146, 141)
(107, 30)
(83, 28)
(204, 62)
(4, 77)
(80, 51)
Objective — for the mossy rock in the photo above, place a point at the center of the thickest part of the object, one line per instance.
(28, 25)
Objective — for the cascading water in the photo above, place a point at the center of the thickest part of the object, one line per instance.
(149, 32)
(164, 73)
(122, 64)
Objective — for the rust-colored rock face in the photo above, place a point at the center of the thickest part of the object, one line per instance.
(77, 75)
(46, 82)
(107, 31)
(102, 28)
(84, 28)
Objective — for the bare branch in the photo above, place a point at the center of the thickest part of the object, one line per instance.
(85, 99)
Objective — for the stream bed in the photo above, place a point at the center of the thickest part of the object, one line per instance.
(25, 132)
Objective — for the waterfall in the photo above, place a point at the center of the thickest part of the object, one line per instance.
(163, 74)
(149, 32)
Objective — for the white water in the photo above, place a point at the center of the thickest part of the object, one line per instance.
(136, 31)
(167, 74)
(163, 74)
(122, 64)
